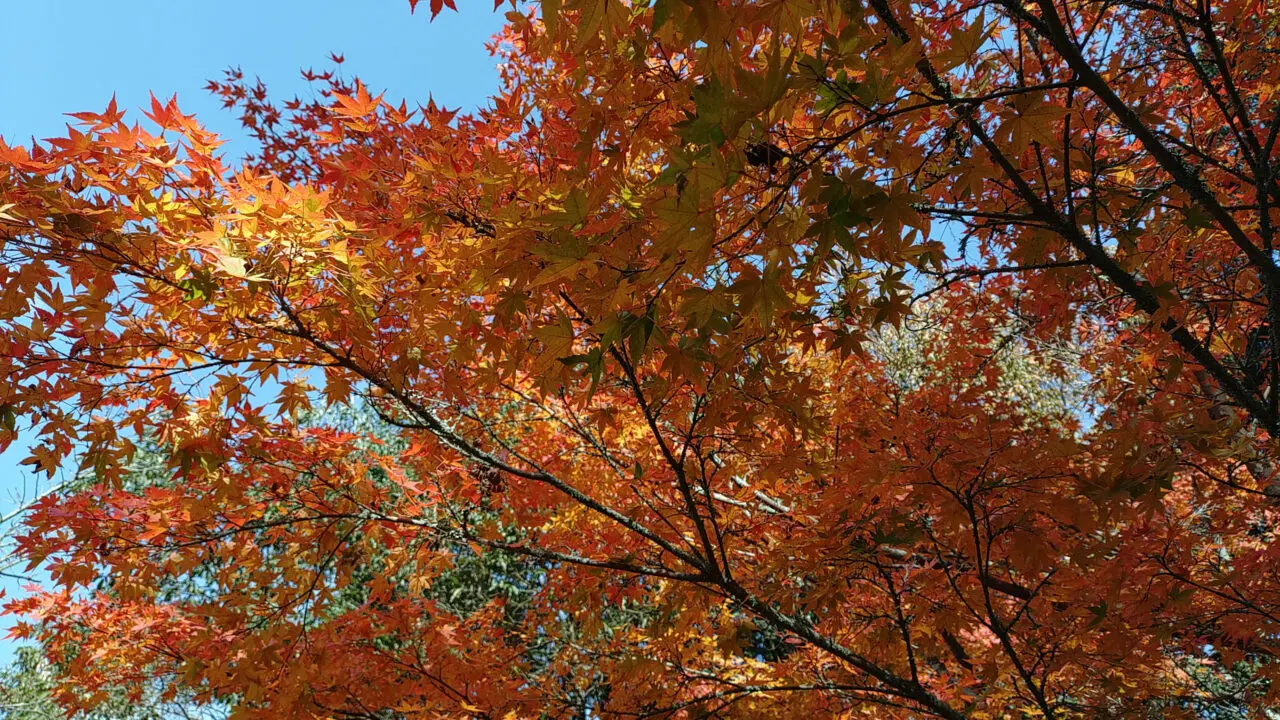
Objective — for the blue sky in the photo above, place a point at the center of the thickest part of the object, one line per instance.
(60, 56)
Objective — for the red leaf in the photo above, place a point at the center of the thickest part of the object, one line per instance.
(438, 5)
(362, 104)
(163, 115)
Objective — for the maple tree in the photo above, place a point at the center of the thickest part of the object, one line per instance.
(621, 317)
(27, 688)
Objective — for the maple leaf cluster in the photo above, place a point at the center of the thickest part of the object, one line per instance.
(627, 323)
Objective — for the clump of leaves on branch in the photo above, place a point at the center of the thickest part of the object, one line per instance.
(620, 317)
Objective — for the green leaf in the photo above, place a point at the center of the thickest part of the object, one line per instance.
(551, 17)
(594, 363)
(637, 330)
(1196, 218)
(661, 13)
(200, 286)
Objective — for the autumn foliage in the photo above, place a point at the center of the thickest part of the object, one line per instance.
(622, 321)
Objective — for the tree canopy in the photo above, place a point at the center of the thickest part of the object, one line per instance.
(633, 323)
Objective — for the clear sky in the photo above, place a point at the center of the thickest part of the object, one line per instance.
(60, 56)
